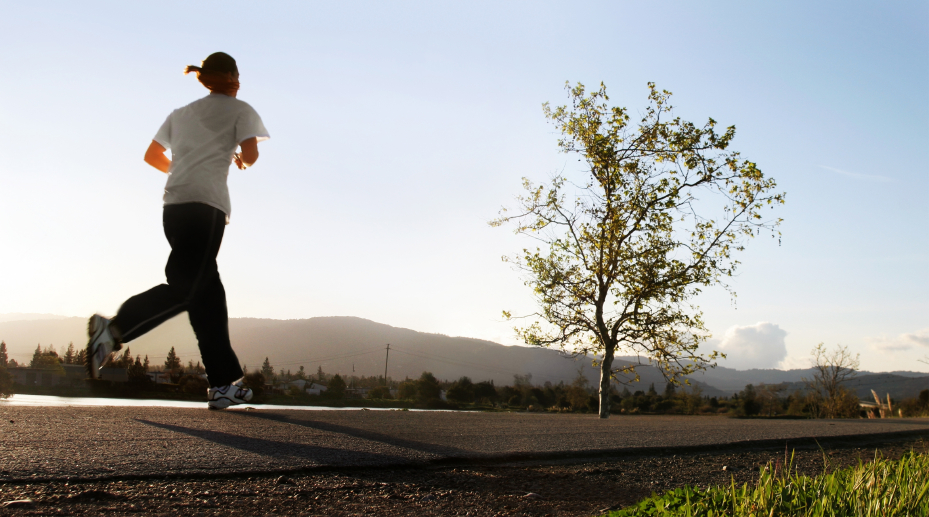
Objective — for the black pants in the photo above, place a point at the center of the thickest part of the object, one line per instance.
(195, 232)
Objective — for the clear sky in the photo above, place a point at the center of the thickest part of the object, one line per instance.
(398, 129)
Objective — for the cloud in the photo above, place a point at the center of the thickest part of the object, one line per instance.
(900, 343)
(754, 346)
(872, 177)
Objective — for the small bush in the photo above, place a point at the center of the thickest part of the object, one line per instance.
(6, 383)
(380, 392)
(193, 384)
(438, 403)
(255, 381)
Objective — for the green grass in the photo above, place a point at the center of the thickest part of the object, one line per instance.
(879, 488)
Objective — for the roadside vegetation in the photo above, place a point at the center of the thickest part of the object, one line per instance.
(824, 396)
(6, 380)
(878, 488)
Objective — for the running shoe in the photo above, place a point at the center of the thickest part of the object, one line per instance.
(222, 397)
(101, 345)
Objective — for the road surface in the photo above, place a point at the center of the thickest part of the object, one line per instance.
(55, 443)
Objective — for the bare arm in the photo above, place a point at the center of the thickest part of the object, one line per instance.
(155, 156)
(249, 154)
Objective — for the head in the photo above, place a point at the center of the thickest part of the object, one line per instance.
(218, 73)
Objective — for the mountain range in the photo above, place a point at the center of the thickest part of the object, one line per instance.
(347, 344)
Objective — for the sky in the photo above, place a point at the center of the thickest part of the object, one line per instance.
(399, 129)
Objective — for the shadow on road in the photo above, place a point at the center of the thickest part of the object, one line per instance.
(433, 448)
(279, 449)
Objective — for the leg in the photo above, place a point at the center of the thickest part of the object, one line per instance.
(196, 276)
(189, 229)
(210, 320)
(145, 311)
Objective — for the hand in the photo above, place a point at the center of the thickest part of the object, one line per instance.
(237, 160)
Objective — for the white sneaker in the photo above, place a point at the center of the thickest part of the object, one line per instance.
(222, 397)
(100, 346)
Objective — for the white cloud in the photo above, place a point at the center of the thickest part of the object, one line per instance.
(873, 177)
(753, 346)
(794, 363)
(900, 343)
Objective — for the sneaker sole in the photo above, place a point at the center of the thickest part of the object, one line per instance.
(92, 334)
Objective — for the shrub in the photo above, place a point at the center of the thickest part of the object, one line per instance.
(336, 388)
(380, 392)
(407, 390)
(6, 383)
(255, 381)
(461, 391)
(193, 384)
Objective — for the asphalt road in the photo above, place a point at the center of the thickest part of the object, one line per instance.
(53, 443)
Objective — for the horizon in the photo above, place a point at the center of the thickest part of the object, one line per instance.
(11, 317)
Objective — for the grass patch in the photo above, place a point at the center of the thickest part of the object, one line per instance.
(878, 488)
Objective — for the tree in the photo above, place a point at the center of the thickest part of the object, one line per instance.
(660, 211)
(485, 391)
(4, 358)
(6, 383)
(267, 371)
(193, 384)
(427, 387)
(830, 370)
(748, 403)
(124, 361)
(461, 391)
(173, 366)
(255, 381)
(137, 371)
(46, 359)
(336, 388)
(380, 392)
(69, 354)
(407, 390)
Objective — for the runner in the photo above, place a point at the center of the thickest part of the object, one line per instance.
(203, 137)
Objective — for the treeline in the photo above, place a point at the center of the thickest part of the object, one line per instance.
(6, 380)
(272, 376)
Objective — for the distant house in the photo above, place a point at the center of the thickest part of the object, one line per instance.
(159, 377)
(37, 376)
(285, 386)
(314, 388)
(356, 393)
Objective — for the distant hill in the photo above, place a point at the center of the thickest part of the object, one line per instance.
(898, 386)
(338, 344)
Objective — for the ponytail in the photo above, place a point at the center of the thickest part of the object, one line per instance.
(219, 82)
(218, 73)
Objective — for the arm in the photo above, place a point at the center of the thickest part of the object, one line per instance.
(249, 154)
(155, 156)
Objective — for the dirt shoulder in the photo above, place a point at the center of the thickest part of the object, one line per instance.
(562, 488)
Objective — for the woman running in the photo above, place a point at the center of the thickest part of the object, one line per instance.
(203, 137)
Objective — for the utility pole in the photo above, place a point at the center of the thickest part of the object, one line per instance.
(385, 364)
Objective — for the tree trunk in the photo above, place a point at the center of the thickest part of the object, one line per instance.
(605, 380)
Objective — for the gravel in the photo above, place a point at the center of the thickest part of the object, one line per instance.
(566, 487)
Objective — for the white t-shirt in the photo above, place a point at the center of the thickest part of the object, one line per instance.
(203, 137)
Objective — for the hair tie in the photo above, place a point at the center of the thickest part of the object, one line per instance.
(191, 68)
